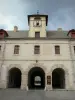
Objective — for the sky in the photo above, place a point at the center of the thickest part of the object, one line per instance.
(61, 13)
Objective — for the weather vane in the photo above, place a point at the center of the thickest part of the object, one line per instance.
(37, 11)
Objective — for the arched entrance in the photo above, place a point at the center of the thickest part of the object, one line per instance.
(36, 78)
(58, 78)
(14, 78)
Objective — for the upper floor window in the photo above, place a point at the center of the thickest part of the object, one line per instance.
(74, 49)
(57, 49)
(37, 34)
(0, 47)
(16, 49)
(37, 49)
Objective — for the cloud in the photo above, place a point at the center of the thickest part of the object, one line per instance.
(63, 18)
(14, 12)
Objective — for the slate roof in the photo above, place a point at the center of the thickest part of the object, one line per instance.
(50, 35)
(22, 34)
(57, 34)
(19, 34)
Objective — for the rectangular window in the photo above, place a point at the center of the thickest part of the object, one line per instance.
(74, 49)
(57, 49)
(16, 49)
(0, 47)
(36, 49)
(37, 34)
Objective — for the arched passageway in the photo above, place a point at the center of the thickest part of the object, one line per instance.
(36, 78)
(58, 78)
(14, 78)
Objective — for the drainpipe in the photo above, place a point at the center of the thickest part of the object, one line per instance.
(70, 48)
(3, 56)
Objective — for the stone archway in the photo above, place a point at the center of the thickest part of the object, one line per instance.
(33, 82)
(36, 69)
(62, 72)
(58, 78)
(14, 78)
(12, 68)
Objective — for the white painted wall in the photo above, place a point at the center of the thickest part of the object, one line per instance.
(47, 56)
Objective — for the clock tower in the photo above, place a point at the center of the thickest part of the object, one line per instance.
(37, 25)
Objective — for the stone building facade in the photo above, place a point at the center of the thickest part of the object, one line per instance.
(50, 55)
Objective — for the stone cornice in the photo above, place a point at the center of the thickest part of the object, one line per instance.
(35, 60)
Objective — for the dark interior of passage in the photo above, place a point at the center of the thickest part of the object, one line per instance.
(14, 79)
(58, 79)
(33, 81)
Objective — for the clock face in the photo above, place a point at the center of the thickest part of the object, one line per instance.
(37, 23)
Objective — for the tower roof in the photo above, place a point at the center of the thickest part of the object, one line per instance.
(38, 15)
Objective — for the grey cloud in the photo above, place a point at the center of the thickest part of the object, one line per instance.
(61, 12)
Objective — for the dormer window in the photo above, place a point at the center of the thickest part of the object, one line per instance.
(3, 33)
(71, 33)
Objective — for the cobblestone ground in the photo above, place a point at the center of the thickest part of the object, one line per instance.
(15, 94)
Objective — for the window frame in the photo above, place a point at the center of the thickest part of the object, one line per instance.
(74, 49)
(36, 49)
(37, 36)
(16, 49)
(57, 49)
(0, 48)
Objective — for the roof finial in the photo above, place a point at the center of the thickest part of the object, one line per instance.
(37, 11)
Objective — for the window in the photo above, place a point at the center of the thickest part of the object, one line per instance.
(74, 49)
(16, 49)
(37, 34)
(0, 47)
(57, 49)
(37, 49)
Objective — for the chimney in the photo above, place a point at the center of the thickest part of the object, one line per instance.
(59, 29)
(15, 28)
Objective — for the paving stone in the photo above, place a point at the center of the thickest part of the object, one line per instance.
(16, 94)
